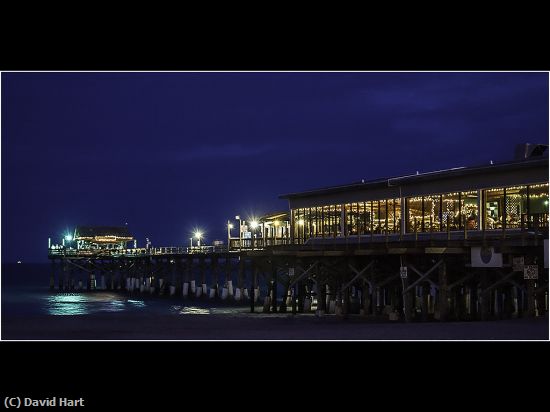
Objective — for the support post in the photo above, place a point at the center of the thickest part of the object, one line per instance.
(443, 303)
(203, 274)
(366, 298)
(484, 297)
(283, 306)
(215, 272)
(345, 300)
(300, 295)
(321, 296)
(253, 287)
(530, 298)
(274, 289)
(424, 301)
(225, 290)
(473, 300)
(240, 279)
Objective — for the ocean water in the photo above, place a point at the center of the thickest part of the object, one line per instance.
(26, 292)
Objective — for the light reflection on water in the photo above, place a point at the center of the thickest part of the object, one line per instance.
(102, 302)
(83, 304)
(66, 305)
(195, 310)
(190, 310)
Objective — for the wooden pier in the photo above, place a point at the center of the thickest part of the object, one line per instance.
(394, 277)
(456, 244)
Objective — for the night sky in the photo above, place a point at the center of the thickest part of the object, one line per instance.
(168, 152)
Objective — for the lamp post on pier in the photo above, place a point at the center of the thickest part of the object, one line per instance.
(67, 238)
(240, 232)
(253, 225)
(229, 227)
(198, 236)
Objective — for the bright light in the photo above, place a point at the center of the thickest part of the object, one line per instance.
(68, 238)
(253, 224)
(546, 202)
(198, 234)
(301, 222)
(276, 223)
(237, 218)
(230, 225)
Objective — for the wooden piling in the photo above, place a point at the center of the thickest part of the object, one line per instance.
(424, 301)
(253, 281)
(443, 303)
(484, 297)
(215, 274)
(283, 307)
(345, 297)
(509, 307)
(189, 276)
(530, 298)
(274, 286)
(293, 297)
(407, 300)
(227, 273)
(173, 279)
(241, 276)
(202, 272)
(321, 296)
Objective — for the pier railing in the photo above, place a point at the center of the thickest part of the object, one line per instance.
(258, 243)
(528, 226)
(156, 251)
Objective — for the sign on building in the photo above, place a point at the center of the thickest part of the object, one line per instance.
(403, 271)
(484, 257)
(290, 272)
(517, 264)
(531, 272)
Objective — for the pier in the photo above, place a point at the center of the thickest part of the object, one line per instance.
(458, 244)
(411, 277)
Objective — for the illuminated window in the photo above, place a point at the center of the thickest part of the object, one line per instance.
(414, 214)
(538, 199)
(538, 204)
(469, 208)
(516, 205)
(450, 211)
(432, 209)
(494, 208)
(394, 215)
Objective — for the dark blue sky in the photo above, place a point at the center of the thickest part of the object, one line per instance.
(167, 152)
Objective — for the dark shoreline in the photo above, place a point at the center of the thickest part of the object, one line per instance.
(258, 326)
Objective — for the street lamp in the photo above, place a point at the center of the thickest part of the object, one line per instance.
(198, 236)
(229, 227)
(253, 226)
(67, 238)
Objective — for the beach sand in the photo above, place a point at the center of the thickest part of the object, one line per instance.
(257, 326)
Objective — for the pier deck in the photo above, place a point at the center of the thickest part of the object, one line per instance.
(420, 276)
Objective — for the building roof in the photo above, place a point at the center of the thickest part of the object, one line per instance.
(100, 231)
(275, 216)
(427, 176)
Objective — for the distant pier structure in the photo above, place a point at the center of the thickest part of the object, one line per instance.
(467, 243)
